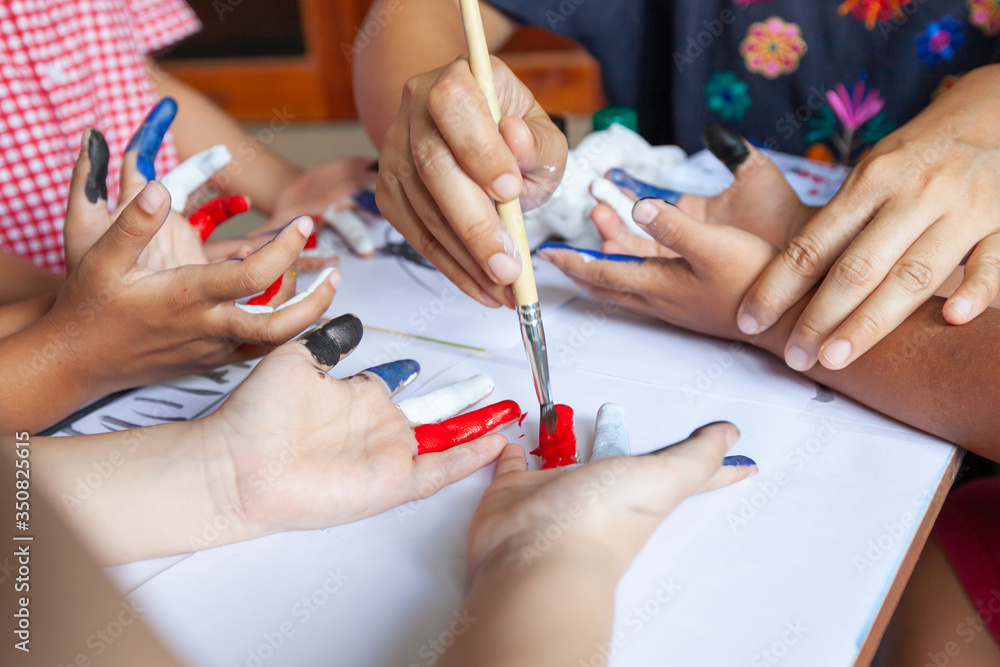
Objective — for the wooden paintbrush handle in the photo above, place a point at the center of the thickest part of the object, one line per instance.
(525, 292)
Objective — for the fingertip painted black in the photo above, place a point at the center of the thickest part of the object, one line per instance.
(728, 146)
(96, 187)
(334, 340)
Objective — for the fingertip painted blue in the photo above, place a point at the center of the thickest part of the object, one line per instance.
(641, 189)
(739, 461)
(366, 200)
(594, 254)
(397, 374)
(148, 138)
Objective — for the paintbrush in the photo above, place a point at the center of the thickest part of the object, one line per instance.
(525, 293)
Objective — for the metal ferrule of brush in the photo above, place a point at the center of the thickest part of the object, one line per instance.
(534, 343)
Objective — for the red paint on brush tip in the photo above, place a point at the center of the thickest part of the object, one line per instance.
(559, 448)
(265, 298)
(216, 211)
(464, 428)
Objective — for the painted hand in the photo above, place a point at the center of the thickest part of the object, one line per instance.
(698, 289)
(615, 502)
(294, 448)
(129, 324)
(444, 164)
(905, 218)
(760, 200)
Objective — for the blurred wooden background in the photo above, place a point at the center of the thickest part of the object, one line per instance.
(252, 53)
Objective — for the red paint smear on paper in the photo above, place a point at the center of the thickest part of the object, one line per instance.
(464, 428)
(216, 211)
(265, 298)
(558, 449)
(521, 420)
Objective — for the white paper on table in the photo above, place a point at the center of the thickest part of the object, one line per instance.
(835, 484)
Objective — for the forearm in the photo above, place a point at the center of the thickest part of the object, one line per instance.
(255, 171)
(18, 316)
(135, 494)
(554, 609)
(418, 38)
(941, 378)
(44, 379)
(21, 279)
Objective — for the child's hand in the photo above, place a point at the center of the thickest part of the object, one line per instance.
(332, 182)
(294, 448)
(134, 324)
(699, 290)
(609, 506)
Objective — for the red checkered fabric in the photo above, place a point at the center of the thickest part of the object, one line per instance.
(64, 65)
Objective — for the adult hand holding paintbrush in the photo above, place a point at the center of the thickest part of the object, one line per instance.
(553, 436)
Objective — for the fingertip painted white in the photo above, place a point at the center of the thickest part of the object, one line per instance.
(611, 437)
(193, 173)
(349, 224)
(606, 191)
(255, 310)
(446, 402)
(323, 276)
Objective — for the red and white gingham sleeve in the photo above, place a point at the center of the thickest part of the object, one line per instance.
(161, 23)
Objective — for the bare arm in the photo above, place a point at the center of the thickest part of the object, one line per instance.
(18, 316)
(419, 37)
(21, 279)
(255, 171)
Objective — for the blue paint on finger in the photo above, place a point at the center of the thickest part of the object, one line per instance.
(148, 138)
(611, 436)
(738, 461)
(641, 189)
(590, 255)
(397, 374)
(365, 199)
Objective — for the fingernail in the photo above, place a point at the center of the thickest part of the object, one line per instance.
(151, 197)
(544, 255)
(644, 211)
(96, 187)
(837, 352)
(397, 374)
(747, 323)
(962, 305)
(507, 187)
(732, 436)
(334, 278)
(488, 299)
(505, 269)
(305, 225)
(509, 246)
(739, 461)
(727, 146)
(331, 342)
(797, 359)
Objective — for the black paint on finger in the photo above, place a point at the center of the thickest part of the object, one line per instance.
(728, 146)
(334, 340)
(97, 178)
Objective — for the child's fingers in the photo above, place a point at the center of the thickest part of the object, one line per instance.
(241, 278)
(673, 473)
(214, 212)
(87, 209)
(694, 240)
(513, 458)
(330, 342)
(467, 427)
(392, 377)
(432, 472)
(184, 179)
(146, 141)
(611, 433)
(354, 230)
(446, 402)
(732, 470)
(279, 326)
(129, 235)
